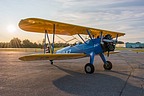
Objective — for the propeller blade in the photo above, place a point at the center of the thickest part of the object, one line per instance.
(108, 54)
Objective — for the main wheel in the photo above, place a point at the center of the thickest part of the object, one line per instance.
(108, 66)
(89, 68)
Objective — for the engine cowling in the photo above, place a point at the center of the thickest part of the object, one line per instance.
(109, 44)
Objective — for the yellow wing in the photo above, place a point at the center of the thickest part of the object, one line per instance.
(40, 25)
(51, 57)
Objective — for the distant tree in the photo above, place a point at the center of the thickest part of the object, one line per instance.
(15, 43)
(27, 44)
(34, 45)
(7, 45)
(1, 45)
(57, 45)
(120, 42)
(137, 42)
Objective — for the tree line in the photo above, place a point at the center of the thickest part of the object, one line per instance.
(17, 43)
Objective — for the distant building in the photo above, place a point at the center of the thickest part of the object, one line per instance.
(134, 45)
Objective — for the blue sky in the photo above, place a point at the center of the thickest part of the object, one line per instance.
(117, 15)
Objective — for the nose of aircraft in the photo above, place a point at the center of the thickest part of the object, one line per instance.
(109, 43)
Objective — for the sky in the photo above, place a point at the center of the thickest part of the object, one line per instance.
(126, 16)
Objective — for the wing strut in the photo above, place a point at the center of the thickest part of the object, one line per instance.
(82, 38)
(45, 43)
(117, 38)
(54, 29)
(65, 40)
(46, 37)
(101, 37)
(89, 33)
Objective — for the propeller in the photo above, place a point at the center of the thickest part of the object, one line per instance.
(109, 43)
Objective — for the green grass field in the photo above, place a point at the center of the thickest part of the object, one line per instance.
(122, 48)
(138, 50)
(132, 49)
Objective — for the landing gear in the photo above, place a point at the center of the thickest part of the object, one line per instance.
(89, 68)
(108, 65)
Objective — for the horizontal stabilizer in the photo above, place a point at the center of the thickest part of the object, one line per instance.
(112, 52)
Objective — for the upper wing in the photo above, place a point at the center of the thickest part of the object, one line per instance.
(40, 25)
(51, 57)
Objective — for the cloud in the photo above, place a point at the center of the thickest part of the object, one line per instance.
(123, 15)
(91, 2)
(117, 15)
(102, 10)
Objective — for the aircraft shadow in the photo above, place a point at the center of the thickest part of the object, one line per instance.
(97, 84)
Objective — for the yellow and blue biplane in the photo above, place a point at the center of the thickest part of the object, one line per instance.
(99, 42)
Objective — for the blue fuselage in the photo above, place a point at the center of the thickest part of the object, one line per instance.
(88, 47)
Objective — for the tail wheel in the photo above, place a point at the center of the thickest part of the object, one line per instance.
(89, 68)
(51, 61)
(108, 65)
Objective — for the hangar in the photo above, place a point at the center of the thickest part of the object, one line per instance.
(134, 45)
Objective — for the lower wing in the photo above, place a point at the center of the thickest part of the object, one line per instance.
(52, 57)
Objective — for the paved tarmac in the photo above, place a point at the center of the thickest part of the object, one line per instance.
(67, 77)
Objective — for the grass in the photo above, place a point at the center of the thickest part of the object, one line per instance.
(122, 48)
(138, 50)
(132, 49)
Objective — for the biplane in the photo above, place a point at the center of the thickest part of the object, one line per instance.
(99, 42)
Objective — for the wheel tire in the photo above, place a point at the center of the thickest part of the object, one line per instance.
(108, 66)
(89, 68)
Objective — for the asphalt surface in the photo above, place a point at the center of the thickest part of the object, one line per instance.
(67, 77)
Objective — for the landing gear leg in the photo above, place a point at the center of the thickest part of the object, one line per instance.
(107, 64)
(89, 67)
